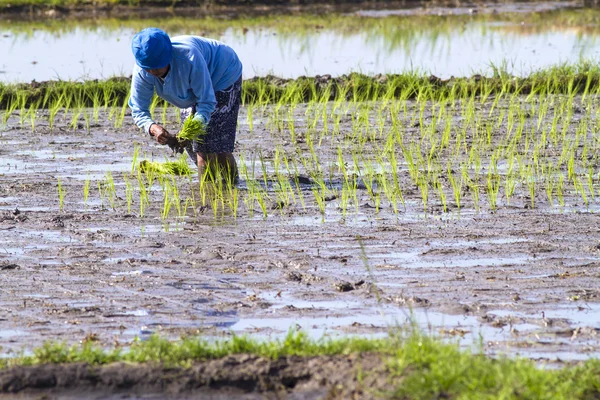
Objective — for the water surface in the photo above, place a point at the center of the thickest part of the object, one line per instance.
(369, 43)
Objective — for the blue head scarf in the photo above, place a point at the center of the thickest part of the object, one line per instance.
(152, 48)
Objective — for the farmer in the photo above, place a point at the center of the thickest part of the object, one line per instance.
(203, 77)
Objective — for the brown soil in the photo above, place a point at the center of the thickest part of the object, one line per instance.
(524, 279)
(232, 377)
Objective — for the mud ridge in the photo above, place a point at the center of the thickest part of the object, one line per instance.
(334, 376)
(154, 8)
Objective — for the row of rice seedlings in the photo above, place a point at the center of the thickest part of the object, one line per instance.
(462, 142)
(354, 88)
(76, 101)
(473, 151)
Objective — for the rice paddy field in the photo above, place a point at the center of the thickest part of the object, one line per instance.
(416, 214)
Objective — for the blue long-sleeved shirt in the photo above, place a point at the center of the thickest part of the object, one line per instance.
(199, 68)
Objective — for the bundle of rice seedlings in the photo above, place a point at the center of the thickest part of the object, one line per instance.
(192, 130)
(179, 167)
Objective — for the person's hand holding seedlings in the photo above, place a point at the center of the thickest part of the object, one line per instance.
(161, 135)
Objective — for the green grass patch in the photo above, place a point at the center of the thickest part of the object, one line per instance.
(194, 349)
(422, 366)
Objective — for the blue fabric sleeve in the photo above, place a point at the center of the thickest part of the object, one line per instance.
(202, 87)
(140, 99)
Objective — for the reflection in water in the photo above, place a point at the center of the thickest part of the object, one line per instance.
(459, 49)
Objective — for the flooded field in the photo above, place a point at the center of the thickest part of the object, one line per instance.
(328, 249)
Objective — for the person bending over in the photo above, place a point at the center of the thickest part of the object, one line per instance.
(201, 76)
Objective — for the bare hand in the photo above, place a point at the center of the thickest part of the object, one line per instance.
(161, 135)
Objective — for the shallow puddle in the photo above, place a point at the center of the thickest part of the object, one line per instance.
(411, 259)
(12, 333)
(579, 315)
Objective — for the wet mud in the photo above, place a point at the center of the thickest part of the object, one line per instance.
(232, 377)
(515, 280)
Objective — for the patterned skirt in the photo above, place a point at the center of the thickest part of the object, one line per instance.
(221, 129)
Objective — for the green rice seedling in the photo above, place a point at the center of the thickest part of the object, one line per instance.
(163, 116)
(153, 105)
(510, 184)
(61, 195)
(233, 200)
(108, 92)
(319, 196)
(437, 184)
(492, 188)
(2, 97)
(86, 119)
(121, 117)
(128, 194)
(75, 117)
(250, 197)
(424, 188)
(559, 190)
(590, 182)
(250, 117)
(189, 203)
(285, 179)
(260, 198)
(10, 109)
(216, 201)
(345, 198)
(531, 185)
(86, 189)
(110, 189)
(100, 193)
(143, 194)
(474, 187)
(166, 201)
(53, 111)
(32, 117)
(291, 124)
(176, 197)
(22, 104)
(580, 189)
(95, 96)
(136, 153)
(456, 184)
(263, 167)
(68, 99)
(549, 186)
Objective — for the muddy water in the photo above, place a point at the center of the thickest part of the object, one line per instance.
(470, 46)
(524, 280)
